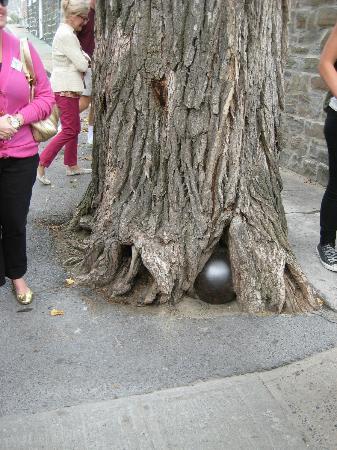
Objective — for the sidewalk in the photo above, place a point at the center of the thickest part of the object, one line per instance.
(302, 202)
(262, 411)
(107, 376)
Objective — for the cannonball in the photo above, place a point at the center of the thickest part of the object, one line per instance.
(214, 283)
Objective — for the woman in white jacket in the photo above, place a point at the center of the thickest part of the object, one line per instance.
(69, 65)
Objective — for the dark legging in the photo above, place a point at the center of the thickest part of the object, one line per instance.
(17, 176)
(329, 201)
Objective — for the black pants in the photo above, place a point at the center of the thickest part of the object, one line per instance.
(17, 177)
(329, 202)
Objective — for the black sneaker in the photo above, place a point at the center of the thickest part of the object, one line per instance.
(328, 256)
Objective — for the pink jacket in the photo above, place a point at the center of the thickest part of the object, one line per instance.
(14, 97)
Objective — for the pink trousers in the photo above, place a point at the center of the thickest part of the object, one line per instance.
(68, 137)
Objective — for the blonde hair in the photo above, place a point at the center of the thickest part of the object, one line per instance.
(75, 7)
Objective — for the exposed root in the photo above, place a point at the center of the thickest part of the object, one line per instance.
(73, 261)
(134, 265)
(83, 209)
(101, 264)
(300, 295)
(150, 297)
(86, 223)
(266, 275)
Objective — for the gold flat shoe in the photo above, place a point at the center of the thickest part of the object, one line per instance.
(26, 298)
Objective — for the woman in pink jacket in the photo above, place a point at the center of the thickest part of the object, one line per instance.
(18, 154)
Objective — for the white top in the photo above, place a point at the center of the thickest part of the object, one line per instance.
(69, 61)
(333, 103)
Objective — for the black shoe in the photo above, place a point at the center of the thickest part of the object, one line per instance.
(328, 256)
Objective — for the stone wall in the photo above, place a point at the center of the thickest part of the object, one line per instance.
(51, 18)
(304, 149)
(49, 10)
(33, 18)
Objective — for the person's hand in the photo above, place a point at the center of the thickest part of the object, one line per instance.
(6, 129)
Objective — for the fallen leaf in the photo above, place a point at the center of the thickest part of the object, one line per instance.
(69, 281)
(56, 312)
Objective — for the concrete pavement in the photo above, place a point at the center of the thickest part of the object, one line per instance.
(302, 201)
(291, 408)
(108, 376)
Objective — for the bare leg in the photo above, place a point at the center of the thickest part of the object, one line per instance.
(77, 170)
(41, 170)
(41, 175)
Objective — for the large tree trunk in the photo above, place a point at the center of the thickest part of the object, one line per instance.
(188, 100)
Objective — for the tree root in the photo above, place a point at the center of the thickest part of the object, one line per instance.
(266, 275)
(300, 295)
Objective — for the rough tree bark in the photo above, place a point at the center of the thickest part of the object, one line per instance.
(189, 95)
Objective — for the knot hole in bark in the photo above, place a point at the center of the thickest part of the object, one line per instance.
(159, 88)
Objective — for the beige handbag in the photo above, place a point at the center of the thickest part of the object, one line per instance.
(43, 129)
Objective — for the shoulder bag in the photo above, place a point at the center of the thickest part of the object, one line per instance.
(46, 128)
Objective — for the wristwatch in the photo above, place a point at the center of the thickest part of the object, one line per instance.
(15, 122)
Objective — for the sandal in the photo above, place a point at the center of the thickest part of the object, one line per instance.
(43, 179)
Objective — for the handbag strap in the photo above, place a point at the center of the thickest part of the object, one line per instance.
(27, 64)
